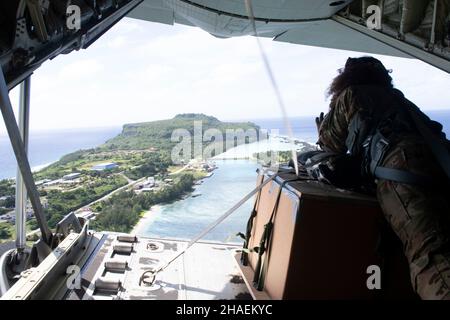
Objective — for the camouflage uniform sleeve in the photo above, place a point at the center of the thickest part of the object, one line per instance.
(334, 128)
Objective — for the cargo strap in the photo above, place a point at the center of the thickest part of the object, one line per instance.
(248, 233)
(262, 264)
(148, 277)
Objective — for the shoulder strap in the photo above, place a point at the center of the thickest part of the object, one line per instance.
(402, 176)
(378, 146)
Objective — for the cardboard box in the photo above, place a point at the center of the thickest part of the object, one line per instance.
(323, 242)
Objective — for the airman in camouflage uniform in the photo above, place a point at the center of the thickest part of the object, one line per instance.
(420, 216)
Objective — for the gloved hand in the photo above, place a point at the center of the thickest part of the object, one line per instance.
(319, 121)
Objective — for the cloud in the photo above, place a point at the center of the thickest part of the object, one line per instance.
(80, 69)
(117, 42)
(142, 71)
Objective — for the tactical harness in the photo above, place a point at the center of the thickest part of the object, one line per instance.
(375, 146)
(372, 149)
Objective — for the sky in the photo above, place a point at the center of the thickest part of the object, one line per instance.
(141, 71)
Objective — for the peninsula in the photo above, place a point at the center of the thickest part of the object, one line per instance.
(115, 183)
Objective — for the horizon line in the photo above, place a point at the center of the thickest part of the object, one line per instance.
(3, 132)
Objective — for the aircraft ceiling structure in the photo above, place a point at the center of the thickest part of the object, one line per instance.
(408, 28)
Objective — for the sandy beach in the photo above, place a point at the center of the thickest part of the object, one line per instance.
(148, 215)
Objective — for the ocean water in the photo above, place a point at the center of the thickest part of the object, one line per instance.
(304, 128)
(184, 219)
(233, 179)
(46, 147)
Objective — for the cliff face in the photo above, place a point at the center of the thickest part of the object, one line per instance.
(157, 134)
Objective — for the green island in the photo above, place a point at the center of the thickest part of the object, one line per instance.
(115, 183)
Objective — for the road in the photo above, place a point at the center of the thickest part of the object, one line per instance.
(127, 186)
(179, 170)
(10, 214)
(130, 184)
(125, 177)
